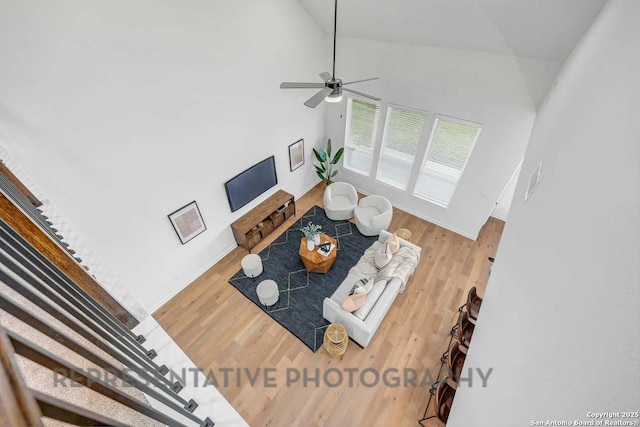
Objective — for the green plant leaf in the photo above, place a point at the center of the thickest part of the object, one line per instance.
(320, 175)
(317, 154)
(329, 148)
(320, 169)
(336, 159)
(334, 174)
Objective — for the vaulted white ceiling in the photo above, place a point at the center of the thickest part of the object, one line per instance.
(540, 29)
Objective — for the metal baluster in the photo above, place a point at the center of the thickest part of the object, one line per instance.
(28, 251)
(60, 366)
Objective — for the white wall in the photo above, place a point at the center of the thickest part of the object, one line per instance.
(485, 88)
(559, 323)
(503, 205)
(123, 112)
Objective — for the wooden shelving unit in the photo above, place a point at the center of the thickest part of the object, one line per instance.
(262, 220)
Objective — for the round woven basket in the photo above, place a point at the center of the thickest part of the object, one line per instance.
(404, 233)
(336, 339)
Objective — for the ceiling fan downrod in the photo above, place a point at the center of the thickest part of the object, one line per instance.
(335, 28)
(332, 87)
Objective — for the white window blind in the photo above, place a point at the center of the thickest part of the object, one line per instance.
(402, 130)
(450, 146)
(360, 135)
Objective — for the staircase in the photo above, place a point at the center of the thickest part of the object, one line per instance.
(63, 358)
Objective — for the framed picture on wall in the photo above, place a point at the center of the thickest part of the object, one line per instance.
(187, 221)
(296, 155)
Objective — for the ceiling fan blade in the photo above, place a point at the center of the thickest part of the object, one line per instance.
(331, 84)
(316, 99)
(290, 85)
(325, 76)
(360, 81)
(361, 94)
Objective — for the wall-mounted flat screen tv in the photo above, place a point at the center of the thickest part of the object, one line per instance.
(246, 186)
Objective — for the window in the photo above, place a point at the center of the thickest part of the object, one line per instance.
(449, 148)
(360, 135)
(402, 130)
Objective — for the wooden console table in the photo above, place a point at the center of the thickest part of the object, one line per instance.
(262, 220)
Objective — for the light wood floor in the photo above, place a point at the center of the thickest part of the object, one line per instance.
(219, 328)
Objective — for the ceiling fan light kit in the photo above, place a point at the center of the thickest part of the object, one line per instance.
(331, 89)
(335, 96)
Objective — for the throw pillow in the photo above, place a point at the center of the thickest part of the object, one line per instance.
(362, 286)
(372, 299)
(353, 302)
(392, 245)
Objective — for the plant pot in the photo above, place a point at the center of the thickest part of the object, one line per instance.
(310, 245)
(316, 240)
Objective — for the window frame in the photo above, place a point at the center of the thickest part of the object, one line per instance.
(416, 156)
(375, 136)
(434, 127)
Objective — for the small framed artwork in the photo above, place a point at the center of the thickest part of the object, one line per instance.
(187, 222)
(296, 155)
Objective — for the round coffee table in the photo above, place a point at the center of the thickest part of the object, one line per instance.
(315, 262)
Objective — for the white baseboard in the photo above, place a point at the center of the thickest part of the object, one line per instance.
(193, 278)
(500, 217)
(306, 190)
(431, 220)
(439, 224)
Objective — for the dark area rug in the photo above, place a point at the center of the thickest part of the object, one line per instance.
(299, 308)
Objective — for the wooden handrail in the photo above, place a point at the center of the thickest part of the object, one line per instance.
(31, 232)
(18, 407)
(4, 170)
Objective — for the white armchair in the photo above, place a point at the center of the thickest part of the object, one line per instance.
(340, 198)
(373, 214)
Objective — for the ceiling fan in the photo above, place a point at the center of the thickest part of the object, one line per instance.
(331, 89)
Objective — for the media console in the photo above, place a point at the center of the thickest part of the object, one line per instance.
(262, 220)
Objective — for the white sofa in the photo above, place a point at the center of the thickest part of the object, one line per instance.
(373, 213)
(340, 198)
(362, 330)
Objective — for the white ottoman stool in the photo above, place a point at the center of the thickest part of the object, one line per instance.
(268, 293)
(251, 265)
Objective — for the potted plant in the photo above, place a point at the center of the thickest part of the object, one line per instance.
(324, 170)
(312, 233)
